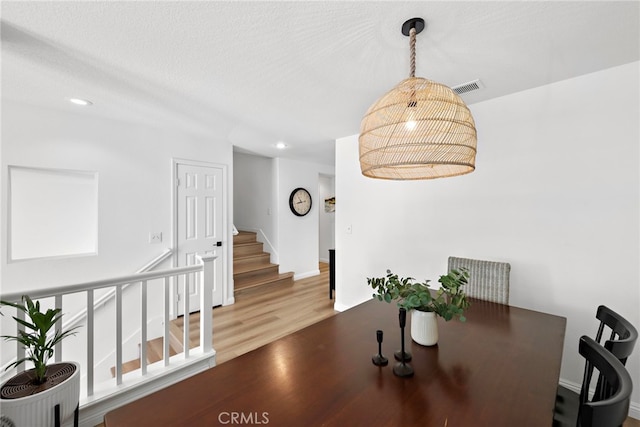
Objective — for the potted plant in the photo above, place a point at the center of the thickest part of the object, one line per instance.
(30, 397)
(424, 303)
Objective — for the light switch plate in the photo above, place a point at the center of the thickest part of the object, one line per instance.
(155, 237)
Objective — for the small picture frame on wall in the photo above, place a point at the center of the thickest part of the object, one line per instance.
(330, 204)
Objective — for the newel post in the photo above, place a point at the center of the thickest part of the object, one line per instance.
(206, 302)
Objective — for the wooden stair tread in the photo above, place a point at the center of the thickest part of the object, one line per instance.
(155, 350)
(244, 236)
(129, 366)
(247, 249)
(254, 266)
(254, 243)
(251, 282)
(251, 257)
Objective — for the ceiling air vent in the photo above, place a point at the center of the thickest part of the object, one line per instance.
(468, 87)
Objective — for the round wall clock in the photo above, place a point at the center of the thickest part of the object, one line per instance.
(300, 202)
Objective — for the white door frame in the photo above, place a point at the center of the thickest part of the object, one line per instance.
(227, 241)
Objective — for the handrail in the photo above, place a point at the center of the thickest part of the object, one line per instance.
(75, 319)
(157, 260)
(204, 267)
(103, 283)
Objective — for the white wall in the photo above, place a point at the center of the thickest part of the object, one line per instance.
(327, 220)
(134, 167)
(298, 236)
(261, 203)
(555, 193)
(253, 200)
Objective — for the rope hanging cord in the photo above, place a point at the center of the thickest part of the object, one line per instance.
(412, 48)
(412, 65)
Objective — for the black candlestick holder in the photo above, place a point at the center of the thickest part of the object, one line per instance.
(379, 359)
(402, 355)
(401, 368)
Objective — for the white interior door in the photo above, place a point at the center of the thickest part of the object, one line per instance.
(199, 216)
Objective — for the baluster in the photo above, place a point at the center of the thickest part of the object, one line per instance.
(90, 342)
(57, 351)
(119, 334)
(206, 301)
(143, 328)
(185, 334)
(20, 348)
(165, 344)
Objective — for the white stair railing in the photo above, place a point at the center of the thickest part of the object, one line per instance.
(82, 314)
(204, 267)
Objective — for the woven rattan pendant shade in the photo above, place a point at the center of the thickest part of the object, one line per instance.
(419, 130)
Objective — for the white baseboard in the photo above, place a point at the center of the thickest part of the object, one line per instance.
(340, 307)
(634, 410)
(306, 274)
(634, 407)
(325, 260)
(575, 387)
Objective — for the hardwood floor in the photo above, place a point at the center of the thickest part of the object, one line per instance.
(262, 315)
(631, 422)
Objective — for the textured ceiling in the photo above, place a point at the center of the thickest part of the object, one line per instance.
(254, 73)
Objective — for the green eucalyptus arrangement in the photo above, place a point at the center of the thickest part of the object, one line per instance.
(448, 301)
(39, 348)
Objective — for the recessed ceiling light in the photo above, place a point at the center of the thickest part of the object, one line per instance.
(281, 145)
(79, 101)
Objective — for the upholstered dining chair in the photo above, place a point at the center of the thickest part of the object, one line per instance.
(488, 280)
(609, 406)
(621, 342)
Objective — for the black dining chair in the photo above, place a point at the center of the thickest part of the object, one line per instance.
(622, 339)
(608, 407)
(623, 334)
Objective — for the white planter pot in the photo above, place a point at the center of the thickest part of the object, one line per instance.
(39, 409)
(424, 327)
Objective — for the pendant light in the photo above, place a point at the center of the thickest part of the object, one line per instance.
(419, 130)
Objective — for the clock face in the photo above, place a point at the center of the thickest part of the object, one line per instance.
(300, 202)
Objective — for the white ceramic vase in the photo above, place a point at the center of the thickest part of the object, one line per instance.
(38, 409)
(424, 327)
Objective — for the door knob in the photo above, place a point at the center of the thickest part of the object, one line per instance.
(218, 243)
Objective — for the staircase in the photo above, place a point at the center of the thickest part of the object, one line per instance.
(252, 267)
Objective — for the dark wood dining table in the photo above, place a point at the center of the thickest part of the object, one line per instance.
(499, 368)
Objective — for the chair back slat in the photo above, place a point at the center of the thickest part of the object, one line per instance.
(611, 407)
(623, 334)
